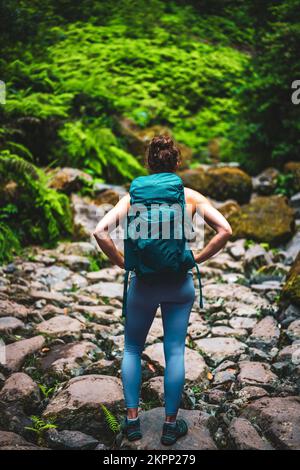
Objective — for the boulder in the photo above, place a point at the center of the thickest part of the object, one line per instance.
(13, 309)
(245, 437)
(197, 438)
(66, 360)
(265, 334)
(256, 220)
(255, 257)
(256, 373)
(217, 349)
(291, 288)
(68, 180)
(279, 419)
(19, 387)
(195, 366)
(12, 441)
(60, 326)
(8, 324)
(293, 330)
(70, 440)
(265, 183)
(17, 352)
(77, 406)
(153, 390)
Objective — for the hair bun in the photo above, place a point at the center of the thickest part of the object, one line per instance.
(163, 155)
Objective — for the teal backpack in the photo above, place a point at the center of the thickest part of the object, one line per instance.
(155, 244)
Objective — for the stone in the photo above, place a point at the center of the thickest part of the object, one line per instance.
(237, 249)
(265, 182)
(279, 419)
(217, 349)
(10, 324)
(255, 257)
(17, 352)
(293, 247)
(242, 323)
(13, 309)
(66, 360)
(74, 262)
(226, 331)
(256, 373)
(21, 388)
(290, 353)
(68, 180)
(77, 248)
(195, 366)
(153, 390)
(224, 377)
(198, 329)
(197, 438)
(106, 289)
(77, 405)
(217, 396)
(251, 392)
(291, 288)
(256, 220)
(265, 334)
(12, 441)
(59, 326)
(86, 216)
(247, 299)
(293, 330)
(70, 440)
(221, 183)
(244, 436)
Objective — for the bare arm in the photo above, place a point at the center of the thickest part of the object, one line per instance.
(110, 221)
(214, 219)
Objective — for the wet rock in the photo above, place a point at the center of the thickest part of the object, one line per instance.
(250, 392)
(290, 353)
(226, 331)
(242, 323)
(245, 437)
(106, 289)
(66, 360)
(60, 326)
(291, 288)
(12, 441)
(265, 183)
(71, 440)
(279, 419)
(77, 406)
(197, 438)
(265, 334)
(68, 180)
(256, 220)
(19, 387)
(255, 257)
(8, 324)
(153, 390)
(16, 353)
(256, 373)
(293, 330)
(195, 366)
(13, 309)
(237, 249)
(218, 349)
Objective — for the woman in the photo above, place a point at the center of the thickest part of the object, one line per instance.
(175, 297)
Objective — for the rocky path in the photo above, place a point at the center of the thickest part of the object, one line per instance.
(60, 319)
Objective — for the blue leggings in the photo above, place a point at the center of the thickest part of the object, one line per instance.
(176, 299)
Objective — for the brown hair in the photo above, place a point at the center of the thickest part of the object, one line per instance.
(162, 154)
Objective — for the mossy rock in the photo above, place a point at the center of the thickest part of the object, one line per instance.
(291, 288)
(267, 219)
(294, 169)
(229, 183)
(219, 183)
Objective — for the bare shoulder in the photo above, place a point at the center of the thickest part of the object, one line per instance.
(194, 197)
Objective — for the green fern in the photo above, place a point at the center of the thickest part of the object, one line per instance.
(110, 419)
(9, 243)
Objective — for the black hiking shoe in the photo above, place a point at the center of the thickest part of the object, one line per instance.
(170, 433)
(131, 429)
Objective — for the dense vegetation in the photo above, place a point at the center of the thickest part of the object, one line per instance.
(218, 73)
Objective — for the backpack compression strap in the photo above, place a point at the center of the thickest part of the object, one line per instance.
(126, 275)
(200, 285)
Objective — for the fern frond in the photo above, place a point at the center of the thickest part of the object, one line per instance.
(110, 419)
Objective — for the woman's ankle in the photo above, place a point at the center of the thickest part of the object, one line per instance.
(132, 413)
(170, 419)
